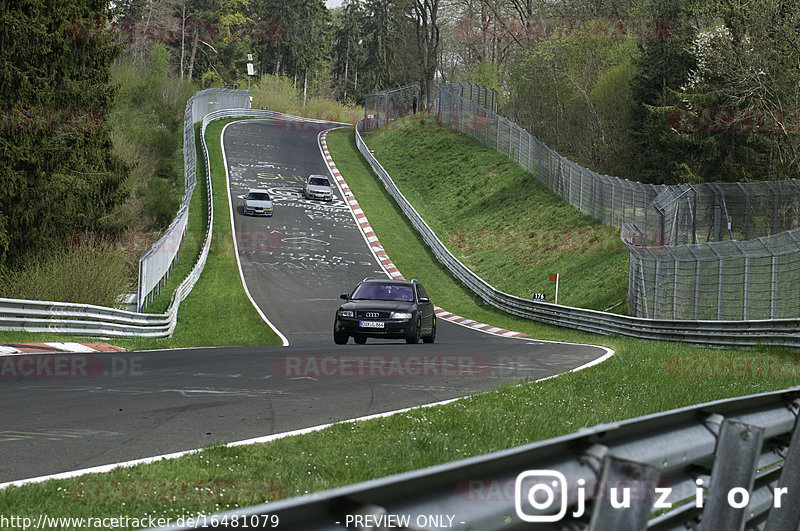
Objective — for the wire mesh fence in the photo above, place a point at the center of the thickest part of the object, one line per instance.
(383, 107)
(157, 261)
(705, 251)
(484, 96)
(730, 280)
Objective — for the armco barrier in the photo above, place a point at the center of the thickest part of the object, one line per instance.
(784, 332)
(89, 320)
(690, 468)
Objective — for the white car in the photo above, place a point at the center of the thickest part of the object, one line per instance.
(257, 202)
(318, 187)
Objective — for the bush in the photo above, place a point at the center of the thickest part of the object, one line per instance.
(90, 274)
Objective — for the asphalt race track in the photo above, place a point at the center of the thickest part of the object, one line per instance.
(91, 409)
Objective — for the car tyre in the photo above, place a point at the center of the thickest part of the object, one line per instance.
(413, 337)
(432, 336)
(360, 340)
(340, 339)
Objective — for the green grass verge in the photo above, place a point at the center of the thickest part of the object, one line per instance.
(217, 312)
(643, 377)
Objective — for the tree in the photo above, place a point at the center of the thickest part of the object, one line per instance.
(58, 173)
(426, 18)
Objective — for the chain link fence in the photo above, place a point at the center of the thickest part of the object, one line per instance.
(484, 96)
(157, 261)
(730, 280)
(383, 107)
(706, 251)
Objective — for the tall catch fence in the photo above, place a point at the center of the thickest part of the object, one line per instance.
(383, 107)
(706, 251)
(157, 261)
(484, 96)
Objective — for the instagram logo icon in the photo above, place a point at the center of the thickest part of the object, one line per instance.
(540, 490)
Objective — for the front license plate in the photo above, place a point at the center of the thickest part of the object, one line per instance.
(371, 324)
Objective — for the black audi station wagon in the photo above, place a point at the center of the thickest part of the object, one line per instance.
(383, 308)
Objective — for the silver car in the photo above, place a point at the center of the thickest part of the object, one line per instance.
(257, 202)
(318, 187)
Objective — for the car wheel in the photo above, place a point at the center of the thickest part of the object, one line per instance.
(340, 339)
(360, 340)
(432, 337)
(413, 337)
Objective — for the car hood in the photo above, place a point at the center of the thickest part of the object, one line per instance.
(256, 203)
(386, 306)
(318, 188)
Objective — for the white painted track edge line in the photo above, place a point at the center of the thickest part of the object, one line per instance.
(284, 340)
(268, 438)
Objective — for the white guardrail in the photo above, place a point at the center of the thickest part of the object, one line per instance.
(725, 465)
(90, 320)
(783, 332)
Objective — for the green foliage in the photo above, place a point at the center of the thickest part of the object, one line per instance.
(211, 79)
(485, 73)
(89, 274)
(277, 93)
(162, 198)
(59, 173)
(610, 104)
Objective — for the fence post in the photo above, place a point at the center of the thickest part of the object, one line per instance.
(734, 469)
(773, 285)
(787, 515)
(639, 480)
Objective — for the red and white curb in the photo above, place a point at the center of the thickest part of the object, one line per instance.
(380, 253)
(12, 349)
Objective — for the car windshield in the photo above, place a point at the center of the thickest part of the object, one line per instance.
(258, 196)
(384, 292)
(319, 181)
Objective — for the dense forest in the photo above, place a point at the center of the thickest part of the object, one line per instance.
(659, 91)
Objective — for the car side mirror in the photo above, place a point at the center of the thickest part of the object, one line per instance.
(344, 296)
(424, 299)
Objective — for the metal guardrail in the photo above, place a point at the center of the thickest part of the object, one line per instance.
(783, 332)
(736, 453)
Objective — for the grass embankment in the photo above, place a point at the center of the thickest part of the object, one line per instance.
(643, 377)
(499, 220)
(201, 321)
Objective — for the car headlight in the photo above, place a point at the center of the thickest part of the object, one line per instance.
(345, 313)
(401, 315)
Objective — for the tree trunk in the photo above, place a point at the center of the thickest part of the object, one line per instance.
(183, 36)
(194, 50)
(305, 87)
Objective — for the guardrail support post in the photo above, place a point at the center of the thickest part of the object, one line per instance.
(735, 463)
(628, 507)
(787, 516)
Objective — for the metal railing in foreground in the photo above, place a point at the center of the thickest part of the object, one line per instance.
(720, 465)
(784, 332)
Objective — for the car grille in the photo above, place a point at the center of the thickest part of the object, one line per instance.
(371, 314)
